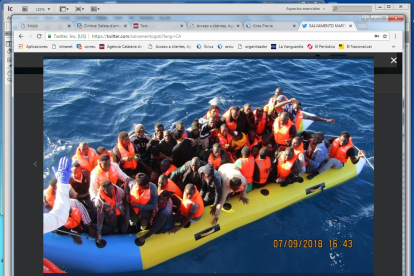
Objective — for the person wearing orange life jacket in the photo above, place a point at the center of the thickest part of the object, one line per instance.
(213, 112)
(276, 99)
(231, 117)
(262, 169)
(105, 171)
(246, 164)
(218, 157)
(224, 138)
(192, 208)
(253, 140)
(246, 119)
(255, 151)
(73, 224)
(287, 168)
(283, 130)
(112, 208)
(341, 150)
(298, 152)
(143, 197)
(166, 167)
(49, 195)
(259, 120)
(180, 126)
(239, 141)
(296, 115)
(102, 150)
(86, 157)
(166, 184)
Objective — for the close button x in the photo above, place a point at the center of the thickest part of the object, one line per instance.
(393, 60)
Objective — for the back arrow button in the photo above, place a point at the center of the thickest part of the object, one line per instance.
(35, 164)
(20, 35)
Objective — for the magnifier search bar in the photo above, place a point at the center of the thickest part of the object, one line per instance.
(352, 8)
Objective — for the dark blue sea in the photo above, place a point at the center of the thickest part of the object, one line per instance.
(92, 100)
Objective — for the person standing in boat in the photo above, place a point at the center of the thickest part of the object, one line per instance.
(86, 157)
(112, 208)
(192, 208)
(246, 165)
(287, 168)
(183, 151)
(283, 131)
(211, 186)
(296, 115)
(105, 171)
(188, 173)
(341, 150)
(218, 157)
(143, 197)
(316, 153)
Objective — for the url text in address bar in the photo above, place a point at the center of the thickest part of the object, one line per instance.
(219, 36)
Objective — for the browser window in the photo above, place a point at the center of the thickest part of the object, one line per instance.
(297, 87)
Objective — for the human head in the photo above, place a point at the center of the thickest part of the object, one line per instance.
(53, 183)
(195, 164)
(159, 129)
(252, 135)
(247, 108)
(237, 135)
(279, 91)
(142, 180)
(263, 152)
(344, 138)
(195, 129)
(76, 170)
(189, 191)
(208, 171)
(180, 125)
(224, 129)
(177, 135)
(255, 151)
(154, 175)
(245, 152)
(269, 150)
(296, 106)
(284, 118)
(124, 139)
(214, 110)
(84, 148)
(162, 181)
(163, 197)
(288, 153)
(105, 162)
(235, 183)
(101, 150)
(165, 165)
(107, 187)
(259, 112)
(167, 136)
(212, 122)
(318, 137)
(216, 150)
(235, 112)
(139, 130)
(296, 142)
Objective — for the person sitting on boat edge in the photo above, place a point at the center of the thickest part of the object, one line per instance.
(232, 181)
(112, 209)
(143, 197)
(316, 153)
(183, 151)
(102, 150)
(105, 170)
(341, 150)
(192, 208)
(296, 115)
(128, 160)
(218, 157)
(287, 168)
(246, 165)
(262, 168)
(166, 184)
(86, 156)
(166, 167)
(49, 195)
(162, 218)
(188, 173)
(299, 155)
(211, 187)
(283, 131)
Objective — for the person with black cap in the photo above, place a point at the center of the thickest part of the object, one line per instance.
(211, 186)
(143, 197)
(188, 173)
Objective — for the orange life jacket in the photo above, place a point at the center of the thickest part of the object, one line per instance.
(172, 187)
(262, 123)
(266, 109)
(216, 162)
(185, 134)
(256, 141)
(100, 174)
(263, 165)
(186, 204)
(224, 141)
(272, 101)
(285, 167)
(247, 168)
(88, 165)
(50, 197)
(74, 219)
(281, 133)
(230, 125)
(298, 151)
(298, 119)
(239, 143)
(127, 153)
(140, 196)
(239, 190)
(170, 170)
(339, 152)
(110, 200)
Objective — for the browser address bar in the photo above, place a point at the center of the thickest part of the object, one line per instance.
(219, 36)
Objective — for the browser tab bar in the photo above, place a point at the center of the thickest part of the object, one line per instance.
(215, 25)
(273, 25)
(103, 25)
(309, 26)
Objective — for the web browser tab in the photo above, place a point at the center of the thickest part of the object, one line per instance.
(215, 25)
(102, 25)
(147, 25)
(333, 26)
(275, 25)
(38, 25)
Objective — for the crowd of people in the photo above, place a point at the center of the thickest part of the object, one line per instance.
(162, 182)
